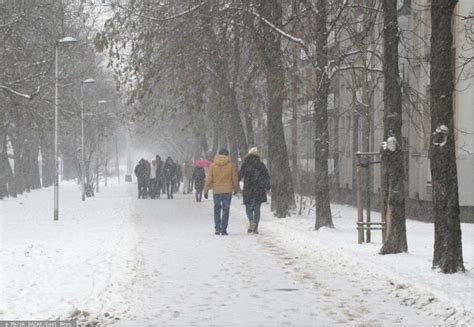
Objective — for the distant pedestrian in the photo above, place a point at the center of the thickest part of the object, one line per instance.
(188, 171)
(159, 175)
(169, 175)
(199, 177)
(152, 183)
(256, 184)
(147, 181)
(142, 174)
(178, 178)
(222, 178)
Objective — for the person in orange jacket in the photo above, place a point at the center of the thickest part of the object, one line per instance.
(222, 178)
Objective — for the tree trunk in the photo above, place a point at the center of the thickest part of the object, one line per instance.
(249, 126)
(282, 186)
(215, 141)
(354, 123)
(321, 143)
(294, 112)
(35, 173)
(18, 169)
(448, 243)
(392, 159)
(239, 132)
(236, 125)
(5, 169)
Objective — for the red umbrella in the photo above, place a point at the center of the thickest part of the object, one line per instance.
(201, 163)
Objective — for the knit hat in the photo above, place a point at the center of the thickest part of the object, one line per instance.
(254, 151)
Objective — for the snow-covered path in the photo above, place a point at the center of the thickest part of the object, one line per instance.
(118, 260)
(189, 276)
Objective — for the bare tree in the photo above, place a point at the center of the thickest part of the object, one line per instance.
(270, 50)
(448, 244)
(392, 155)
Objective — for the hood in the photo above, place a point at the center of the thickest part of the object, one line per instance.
(252, 158)
(221, 160)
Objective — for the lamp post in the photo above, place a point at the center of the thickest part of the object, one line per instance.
(83, 174)
(64, 40)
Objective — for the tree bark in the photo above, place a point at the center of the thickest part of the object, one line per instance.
(321, 143)
(237, 127)
(392, 161)
(249, 127)
(5, 169)
(448, 243)
(270, 49)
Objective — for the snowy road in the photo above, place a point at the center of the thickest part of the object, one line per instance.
(189, 276)
(118, 260)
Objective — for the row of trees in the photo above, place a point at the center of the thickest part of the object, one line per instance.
(28, 33)
(219, 65)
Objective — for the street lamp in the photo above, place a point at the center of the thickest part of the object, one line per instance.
(83, 175)
(64, 40)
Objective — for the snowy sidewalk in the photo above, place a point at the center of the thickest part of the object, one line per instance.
(117, 259)
(407, 276)
(188, 276)
(74, 267)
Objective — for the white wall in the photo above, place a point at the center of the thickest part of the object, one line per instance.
(464, 104)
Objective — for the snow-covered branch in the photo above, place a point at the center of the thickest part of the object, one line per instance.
(23, 95)
(286, 35)
(335, 69)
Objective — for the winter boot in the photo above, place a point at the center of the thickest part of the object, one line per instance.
(255, 229)
(249, 230)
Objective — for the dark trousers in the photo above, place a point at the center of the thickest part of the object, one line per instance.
(142, 188)
(221, 211)
(169, 189)
(158, 187)
(152, 188)
(199, 195)
(253, 212)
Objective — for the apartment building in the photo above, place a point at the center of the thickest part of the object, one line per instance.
(356, 106)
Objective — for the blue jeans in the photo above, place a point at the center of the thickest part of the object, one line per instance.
(221, 203)
(253, 212)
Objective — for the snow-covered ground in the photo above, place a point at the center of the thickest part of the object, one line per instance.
(117, 259)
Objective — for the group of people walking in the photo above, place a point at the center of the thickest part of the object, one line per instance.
(223, 178)
(159, 177)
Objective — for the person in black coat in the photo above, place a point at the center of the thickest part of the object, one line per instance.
(256, 184)
(199, 178)
(169, 175)
(159, 175)
(142, 174)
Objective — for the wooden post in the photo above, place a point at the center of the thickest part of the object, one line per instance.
(367, 169)
(383, 203)
(360, 209)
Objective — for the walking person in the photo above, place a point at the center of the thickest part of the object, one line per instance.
(256, 184)
(159, 176)
(222, 178)
(188, 170)
(141, 174)
(169, 175)
(178, 177)
(152, 182)
(147, 178)
(198, 177)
